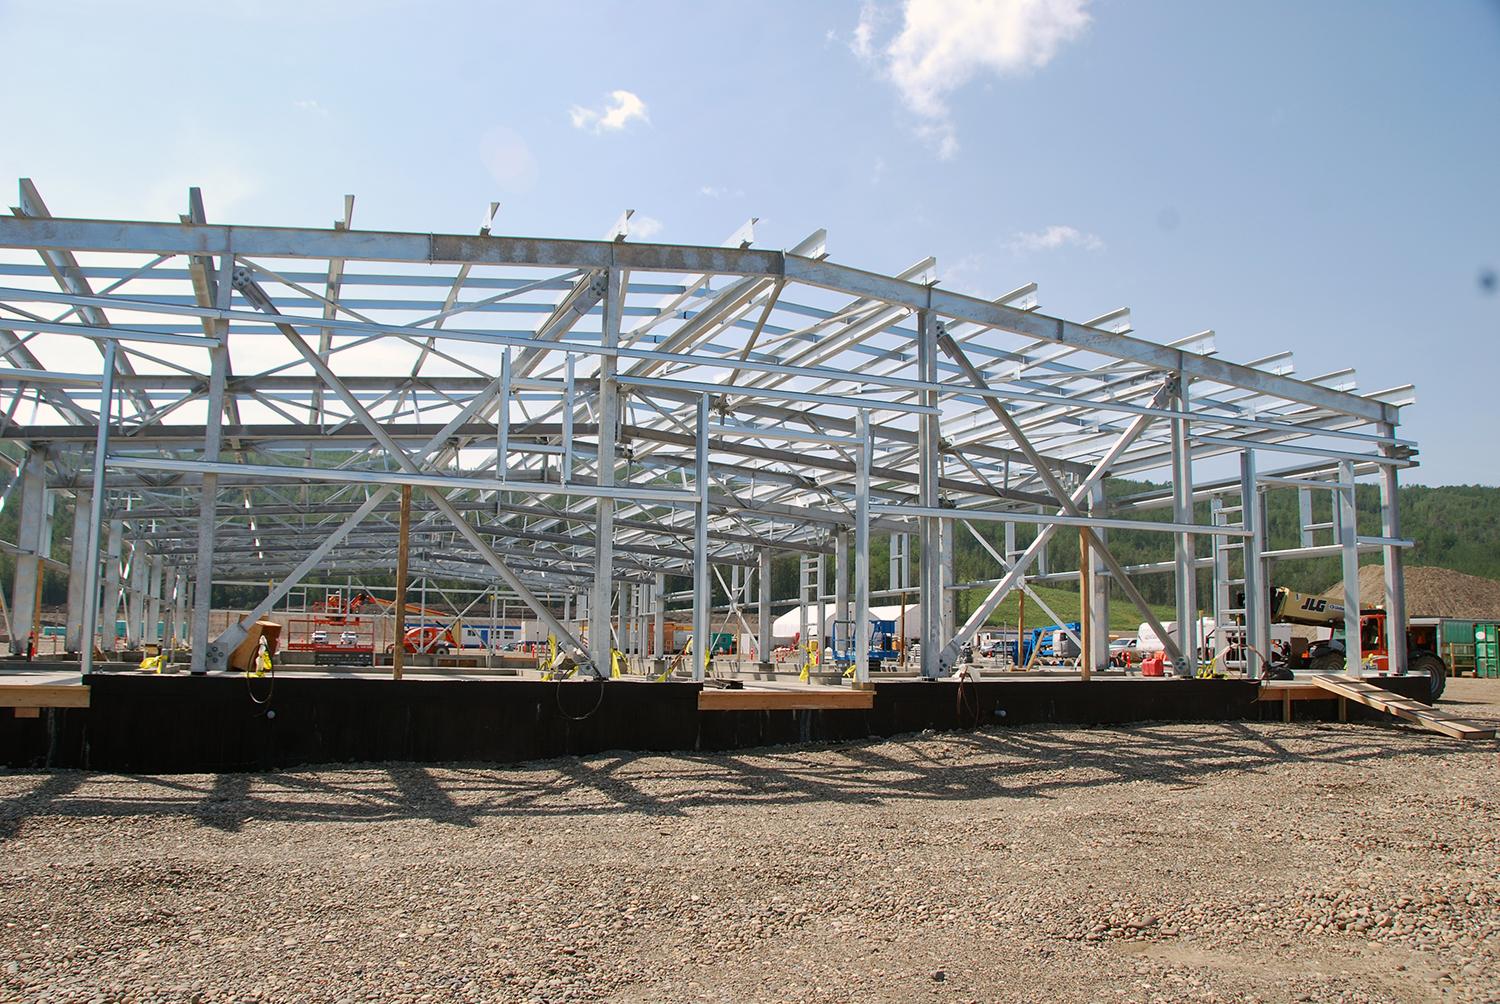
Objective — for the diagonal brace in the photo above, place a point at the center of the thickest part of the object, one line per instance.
(1070, 507)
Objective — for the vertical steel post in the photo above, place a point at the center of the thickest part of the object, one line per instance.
(1305, 516)
(403, 557)
(151, 635)
(111, 607)
(1182, 512)
(622, 636)
(733, 616)
(1257, 635)
(202, 660)
(894, 574)
(804, 622)
(861, 550)
(928, 454)
(28, 566)
(947, 568)
(502, 419)
(1349, 550)
(763, 609)
(492, 639)
(1391, 556)
(604, 524)
(78, 564)
(135, 600)
(820, 590)
(169, 608)
(659, 620)
(179, 619)
(840, 587)
(702, 639)
(1085, 613)
(96, 513)
(1098, 587)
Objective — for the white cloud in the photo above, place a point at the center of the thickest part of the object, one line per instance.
(644, 227)
(1055, 237)
(720, 192)
(862, 42)
(311, 106)
(943, 44)
(622, 108)
(508, 159)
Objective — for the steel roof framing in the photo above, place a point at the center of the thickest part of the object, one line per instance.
(546, 397)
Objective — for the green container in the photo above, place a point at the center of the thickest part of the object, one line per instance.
(1486, 649)
(1458, 632)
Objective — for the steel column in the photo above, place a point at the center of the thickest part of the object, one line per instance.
(947, 564)
(1098, 588)
(659, 620)
(1182, 512)
(1257, 612)
(763, 609)
(28, 568)
(928, 472)
(862, 551)
(604, 524)
(135, 598)
(702, 595)
(112, 576)
(840, 585)
(1349, 550)
(149, 635)
(78, 572)
(1398, 658)
(184, 594)
(213, 442)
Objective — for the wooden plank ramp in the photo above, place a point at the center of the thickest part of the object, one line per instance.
(28, 695)
(1404, 708)
(789, 699)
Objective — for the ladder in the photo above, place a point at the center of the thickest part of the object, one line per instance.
(1229, 616)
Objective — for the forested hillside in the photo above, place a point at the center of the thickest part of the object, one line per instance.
(1455, 526)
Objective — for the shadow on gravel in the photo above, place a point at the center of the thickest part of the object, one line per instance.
(1009, 763)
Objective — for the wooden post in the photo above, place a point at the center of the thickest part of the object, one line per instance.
(1020, 632)
(1086, 633)
(398, 653)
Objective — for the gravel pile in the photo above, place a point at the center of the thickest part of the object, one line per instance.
(1222, 862)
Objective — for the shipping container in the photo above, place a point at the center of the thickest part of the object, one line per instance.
(1458, 632)
(1486, 649)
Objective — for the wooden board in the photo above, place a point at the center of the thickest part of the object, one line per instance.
(785, 700)
(1280, 690)
(1404, 708)
(43, 695)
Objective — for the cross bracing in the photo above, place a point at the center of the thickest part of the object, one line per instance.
(578, 417)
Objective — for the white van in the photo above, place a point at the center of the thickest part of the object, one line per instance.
(1147, 642)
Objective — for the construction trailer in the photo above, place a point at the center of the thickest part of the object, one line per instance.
(570, 427)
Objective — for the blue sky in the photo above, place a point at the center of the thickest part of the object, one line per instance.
(1315, 177)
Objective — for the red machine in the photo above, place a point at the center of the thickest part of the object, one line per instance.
(429, 640)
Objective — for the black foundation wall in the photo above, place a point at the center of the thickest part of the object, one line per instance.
(153, 724)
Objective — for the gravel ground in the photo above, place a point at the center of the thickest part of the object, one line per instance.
(1231, 862)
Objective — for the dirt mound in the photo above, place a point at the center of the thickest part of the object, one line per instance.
(1431, 592)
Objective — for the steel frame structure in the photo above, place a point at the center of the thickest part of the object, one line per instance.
(580, 420)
